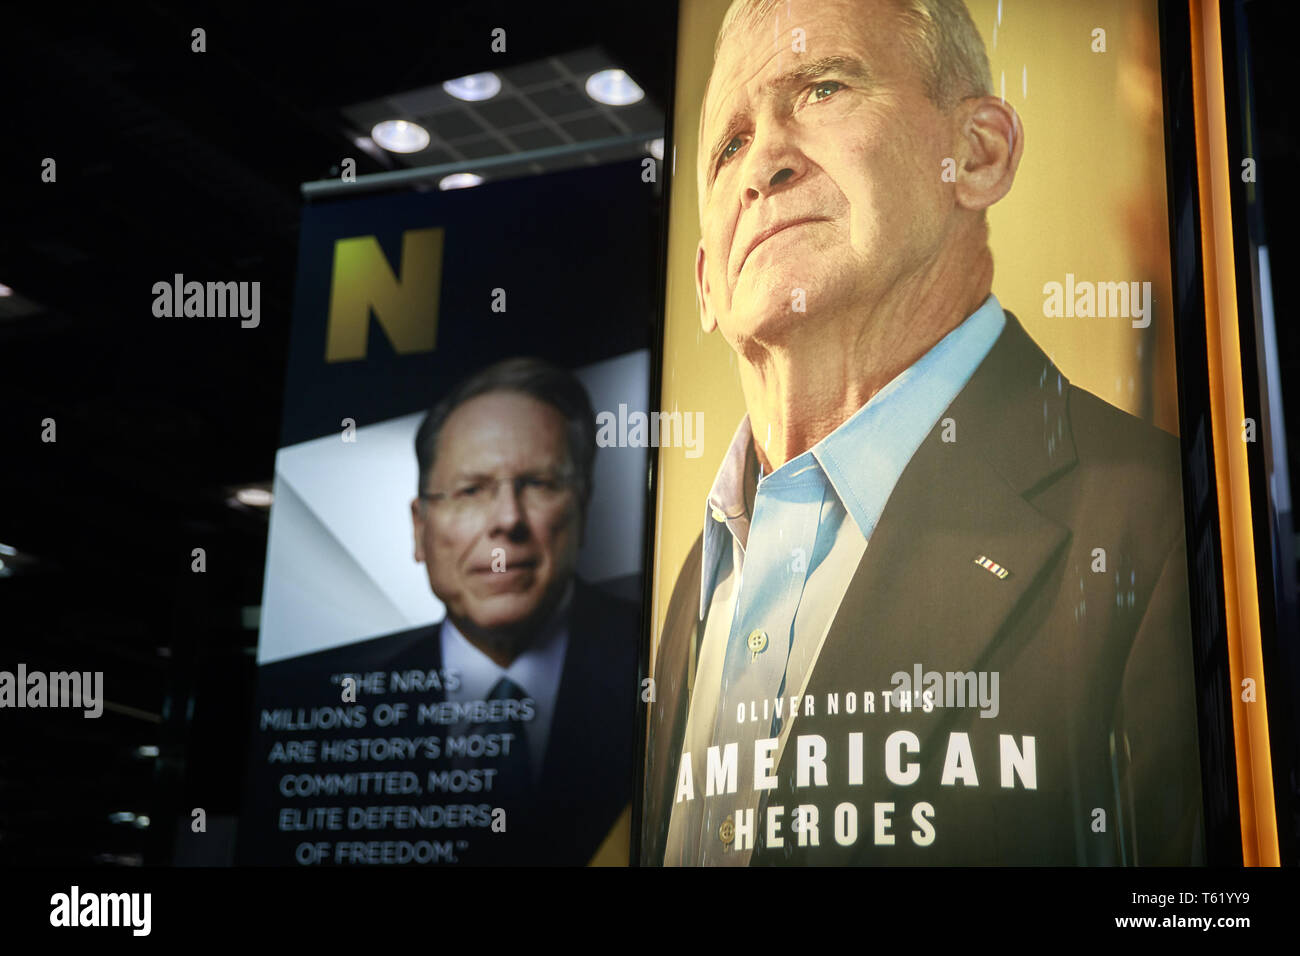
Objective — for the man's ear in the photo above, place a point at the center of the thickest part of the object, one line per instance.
(993, 141)
(417, 524)
(707, 321)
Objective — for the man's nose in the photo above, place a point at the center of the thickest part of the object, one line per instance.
(506, 511)
(774, 163)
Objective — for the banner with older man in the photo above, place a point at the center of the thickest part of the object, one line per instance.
(923, 596)
(451, 615)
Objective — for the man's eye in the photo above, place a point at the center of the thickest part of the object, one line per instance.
(731, 149)
(468, 491)
(824, 89)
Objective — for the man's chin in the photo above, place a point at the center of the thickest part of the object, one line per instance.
(786, 293)
(509, 613)
(766, 325)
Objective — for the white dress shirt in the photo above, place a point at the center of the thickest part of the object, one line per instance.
(537, 671)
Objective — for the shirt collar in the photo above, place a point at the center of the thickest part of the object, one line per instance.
(725, 512)
(865, 456)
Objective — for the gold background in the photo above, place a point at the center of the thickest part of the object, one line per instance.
(1089, 199)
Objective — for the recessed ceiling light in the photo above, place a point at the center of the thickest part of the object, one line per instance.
(5, 290)
(475, 87)
(613, 88)
(460, 181)
(656, 147)
(399, 136)
(254, 497)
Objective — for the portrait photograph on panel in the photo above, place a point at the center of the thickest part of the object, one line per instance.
(451, 614)
(923, 597)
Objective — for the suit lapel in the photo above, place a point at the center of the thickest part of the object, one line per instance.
(674, 677)
(586, 778)
(578, 696)
(918, 595)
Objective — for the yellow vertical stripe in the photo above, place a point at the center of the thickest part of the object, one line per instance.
(1227, 409)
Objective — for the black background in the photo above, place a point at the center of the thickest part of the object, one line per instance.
(174, 162)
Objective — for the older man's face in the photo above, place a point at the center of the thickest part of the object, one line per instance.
(501, 479)
(819, 170)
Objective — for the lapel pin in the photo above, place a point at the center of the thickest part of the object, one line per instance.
(993, 567)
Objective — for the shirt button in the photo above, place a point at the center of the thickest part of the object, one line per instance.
(727, 832)
(718, 515)
(757, 641)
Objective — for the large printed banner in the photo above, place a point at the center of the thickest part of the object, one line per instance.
(451, 611)
(921, 597)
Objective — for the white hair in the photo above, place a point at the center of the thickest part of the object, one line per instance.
(938, 34)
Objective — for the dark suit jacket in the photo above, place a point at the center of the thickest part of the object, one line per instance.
(586, 775)
(1095, 666)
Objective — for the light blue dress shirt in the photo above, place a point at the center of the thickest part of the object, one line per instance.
(779, 574)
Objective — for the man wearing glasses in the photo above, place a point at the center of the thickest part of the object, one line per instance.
(529, 683)
(505, 470)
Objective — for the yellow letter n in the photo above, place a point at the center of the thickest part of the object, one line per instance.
(363, 282)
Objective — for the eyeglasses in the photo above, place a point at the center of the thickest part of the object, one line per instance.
(474, 497)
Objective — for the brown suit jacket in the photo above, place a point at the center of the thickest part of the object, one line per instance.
(1095, 665)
